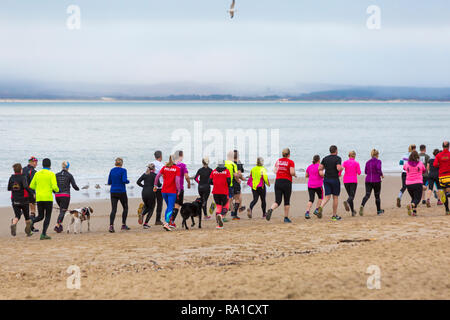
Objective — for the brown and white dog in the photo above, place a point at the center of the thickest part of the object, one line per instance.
(76, 217)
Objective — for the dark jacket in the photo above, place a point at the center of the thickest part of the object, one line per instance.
(29, 172)
(65, 179)
(20, 191)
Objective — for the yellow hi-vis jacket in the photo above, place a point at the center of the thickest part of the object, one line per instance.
(256, 174)
(44, 182)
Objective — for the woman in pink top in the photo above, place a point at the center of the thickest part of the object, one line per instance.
(414, 181)
(315, 182)
(352, 171)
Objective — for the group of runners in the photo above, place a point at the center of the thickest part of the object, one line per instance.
(165, 182)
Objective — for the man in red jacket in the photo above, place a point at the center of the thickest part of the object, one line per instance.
(442, 161)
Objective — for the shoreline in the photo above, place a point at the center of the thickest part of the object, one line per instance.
(299, 185)
(215, 101)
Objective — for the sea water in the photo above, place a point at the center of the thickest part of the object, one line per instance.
(90, 135)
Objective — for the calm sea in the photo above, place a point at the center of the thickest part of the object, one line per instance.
(92, 135)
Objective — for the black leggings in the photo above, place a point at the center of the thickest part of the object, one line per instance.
(283, 189)
(159, 204)
(351, 191)
(44, 211)
(116, 197)
(63, 203)
(402, 190)
(149, 199)
(204, 191)
(415, 191)
(376, 187)
(21, 208)
(260, 192)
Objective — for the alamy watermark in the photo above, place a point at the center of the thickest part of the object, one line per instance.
(374, 20)
(74, 20)
(215, 144)
(374, 280)
(73, 281)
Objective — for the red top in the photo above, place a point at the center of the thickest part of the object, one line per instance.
(442, 161)
(169, 175)
(220, 184)
(284, 168)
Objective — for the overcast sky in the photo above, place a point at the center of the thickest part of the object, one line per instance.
(275, 43)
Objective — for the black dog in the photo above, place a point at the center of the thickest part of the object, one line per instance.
(193, 209)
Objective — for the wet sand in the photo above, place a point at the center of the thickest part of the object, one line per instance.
(249, 259)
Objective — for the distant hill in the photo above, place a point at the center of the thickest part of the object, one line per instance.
(380, 93)
(192, 91)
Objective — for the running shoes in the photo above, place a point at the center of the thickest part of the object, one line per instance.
(346, 206)
(269, 214)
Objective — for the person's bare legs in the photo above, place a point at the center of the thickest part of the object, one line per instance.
(274, 206)
(286, 211)
(309, 205)
(319, 203)
(335, 204)
(327, 198)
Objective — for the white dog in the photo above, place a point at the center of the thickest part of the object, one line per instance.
(76, 217)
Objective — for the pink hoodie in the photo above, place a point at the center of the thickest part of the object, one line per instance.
(352, 171)
(414, 171)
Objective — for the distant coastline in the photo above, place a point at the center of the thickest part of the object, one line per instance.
(212, 100)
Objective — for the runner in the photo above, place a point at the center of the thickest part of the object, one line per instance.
(170, 190)
(20, 198)
(29, 172)
(315, 183)
(424, 158)
(442, 161)
(118, 180)
(64, 180)
(333, 168)
(233, 169)
(221, 179)
(374, 174)
(237, 196)
(404, 160)
(147, 183)
(258, 181)
(184, 175)
(414, 169)
(284, 170)
(351, 173)
(159, 199)
(433, 178)
(204, 188)
(44, 183)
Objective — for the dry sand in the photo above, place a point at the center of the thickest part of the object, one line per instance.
(249, 259)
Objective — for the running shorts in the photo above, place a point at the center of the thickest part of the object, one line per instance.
(220, 199)
(236, 188)
(444, 182)
(180, 198)
(313, 191)
(332, 186)
(432, 182)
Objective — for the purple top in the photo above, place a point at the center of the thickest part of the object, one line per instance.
(183, 171)
(373, 170)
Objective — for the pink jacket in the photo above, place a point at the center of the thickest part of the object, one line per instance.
(414, 171)
(352, 171)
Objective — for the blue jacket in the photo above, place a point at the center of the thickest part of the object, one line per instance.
(118, 179)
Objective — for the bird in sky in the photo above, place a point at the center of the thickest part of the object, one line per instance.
(232, 10)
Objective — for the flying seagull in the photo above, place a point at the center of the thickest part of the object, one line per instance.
(232, 11)
(85, 187)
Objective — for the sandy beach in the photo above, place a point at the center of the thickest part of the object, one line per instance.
(249, 259)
